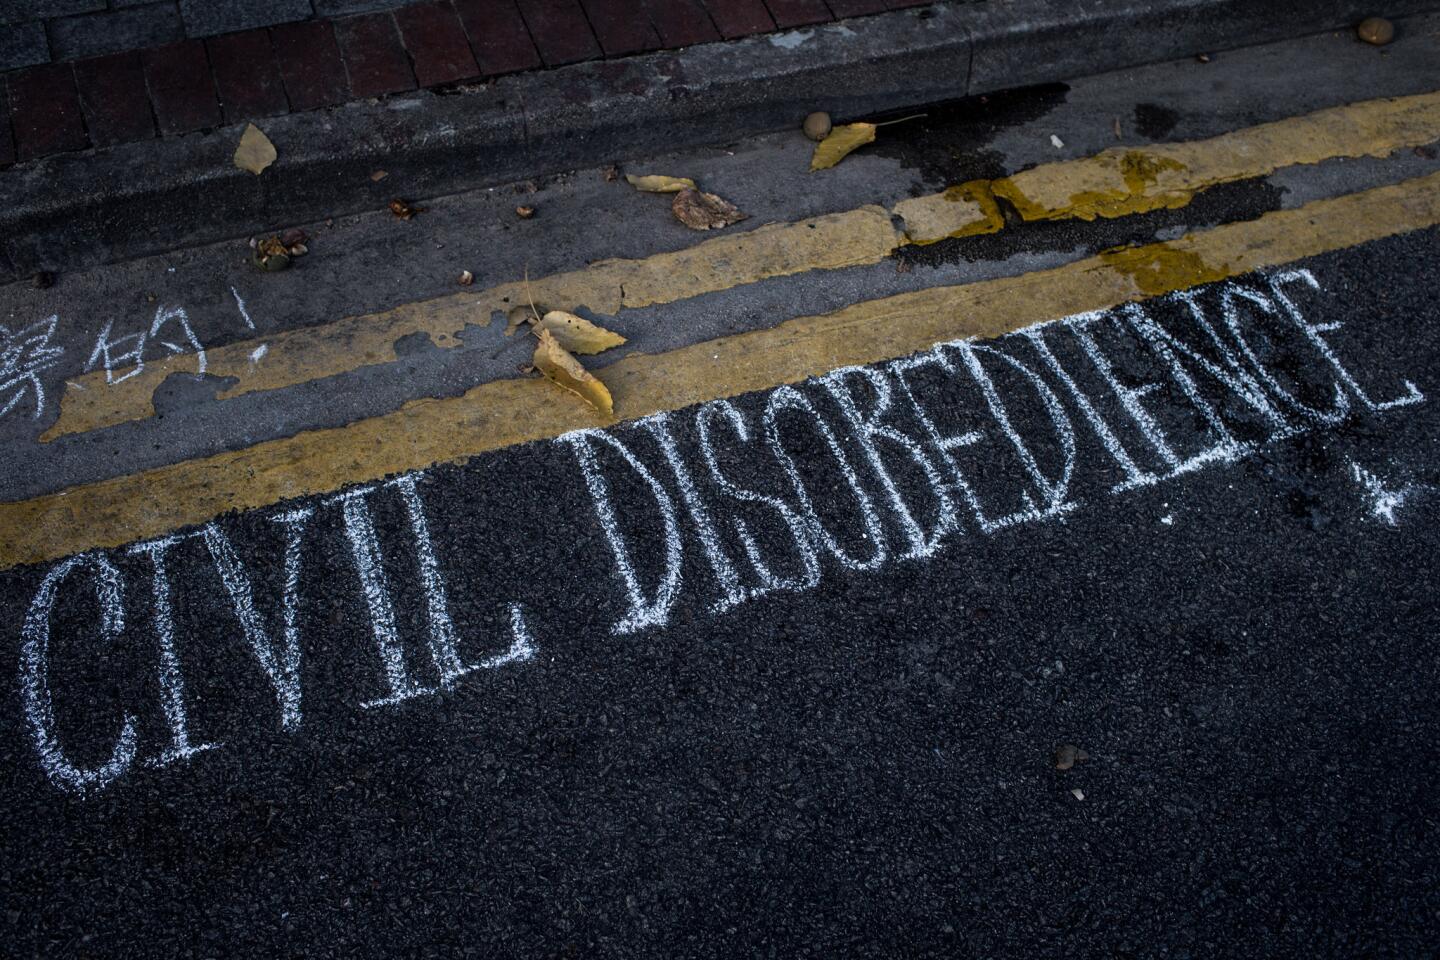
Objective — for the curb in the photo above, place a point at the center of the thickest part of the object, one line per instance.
(65, 212)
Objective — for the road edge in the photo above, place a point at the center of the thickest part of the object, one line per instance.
(70, 211)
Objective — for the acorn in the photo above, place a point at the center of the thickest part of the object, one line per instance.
(1376, 30)
(817, 125)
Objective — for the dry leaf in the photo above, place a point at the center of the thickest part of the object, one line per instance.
(558, 366)
(660, 184)
(403, 210)
(704, 211)
(579, 335)
(255, 152)
(466, 278)
(840, 143)
(379, 175)
(524, 213)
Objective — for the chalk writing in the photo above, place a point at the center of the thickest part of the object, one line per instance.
(24, 355)
(127, 351)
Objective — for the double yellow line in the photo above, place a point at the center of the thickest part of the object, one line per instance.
(501, 413)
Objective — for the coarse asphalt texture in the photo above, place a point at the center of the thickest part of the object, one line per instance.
(865, 768)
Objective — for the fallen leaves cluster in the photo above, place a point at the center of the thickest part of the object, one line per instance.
(692, 206)
(562, 335)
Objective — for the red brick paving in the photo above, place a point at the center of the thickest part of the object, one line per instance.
(113, 99)
(310, 64)
(251, 74)
(498, 36)
(560, 30)
(182, 88)
(620, 28)
(375, 59)
(740, 18)
(681, 23)
(247, 78)
(7, 145)
(798, 13)
(437, 44)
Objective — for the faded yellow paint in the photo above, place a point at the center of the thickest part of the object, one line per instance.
(855, 237)
(430, 431)
(966, 210)
(1111, 184)
(1124, 181)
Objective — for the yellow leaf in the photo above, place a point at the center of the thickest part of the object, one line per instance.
(579, 335)
(558, 366)
(660, 184)
(840, 143)
(255, 152)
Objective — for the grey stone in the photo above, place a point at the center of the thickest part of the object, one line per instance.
(73, 38)
(23, 46)
(205, 18)
(20, 11)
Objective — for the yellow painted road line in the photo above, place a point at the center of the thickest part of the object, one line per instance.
(506, 412)
(1114, 183)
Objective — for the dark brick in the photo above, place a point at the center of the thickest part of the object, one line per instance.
(206, 18)
(181, 87)
(560, 30)
(74, 38)
(681, 23)
(23, 46)
(797, 13)
(114, 99)
(340, 8)
(19, 11)
(45, 111)
(620, 27)
(498, 36)
(374, 59)
(310, 64)
(436, 41)
(7, 146)
(856, 8)
(247, 78)
(739, 18)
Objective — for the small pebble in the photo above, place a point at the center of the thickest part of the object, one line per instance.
(1376, 30)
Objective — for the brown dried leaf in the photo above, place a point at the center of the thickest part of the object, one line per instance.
(660, 184)
(579, 335)
(841, 142)
(255, 151)
(524, 213)
(704, 211)
(403, 210)
(558, 366)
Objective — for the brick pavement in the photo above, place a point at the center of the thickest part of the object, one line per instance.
(76, 74)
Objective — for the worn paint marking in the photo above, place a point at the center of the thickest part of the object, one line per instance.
(1111, 184)
(428, 431)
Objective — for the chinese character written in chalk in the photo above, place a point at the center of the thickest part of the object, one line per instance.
(118, 353)
(24, 354)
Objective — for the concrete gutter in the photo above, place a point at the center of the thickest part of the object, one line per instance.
(65, 212)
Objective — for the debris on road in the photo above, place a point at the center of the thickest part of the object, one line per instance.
(270, 253)
(43, 280)
(1078, 794)
(840, 143)
(1068, 755)
(657, 183)
(379, 175)
(403, 210)
(705, 211)
(1056, 142)
(465, 279)
(578, 335)
(255, 151)
(1376, 30)
(817, 126)
(559, 367)
(611, 173)
(524, 212)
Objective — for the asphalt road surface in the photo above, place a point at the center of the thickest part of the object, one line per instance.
(785, 672)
